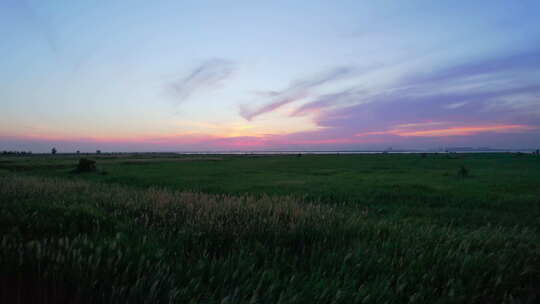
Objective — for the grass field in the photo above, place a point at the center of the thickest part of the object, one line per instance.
(382, 228)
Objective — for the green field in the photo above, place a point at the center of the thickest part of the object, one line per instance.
(381, 228)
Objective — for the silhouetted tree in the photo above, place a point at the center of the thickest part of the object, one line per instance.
(98, 152)
(53, 151)
(78, 152)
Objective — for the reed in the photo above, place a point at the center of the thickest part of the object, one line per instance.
(82, 242)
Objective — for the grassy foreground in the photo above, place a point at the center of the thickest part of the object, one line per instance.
(99, 238)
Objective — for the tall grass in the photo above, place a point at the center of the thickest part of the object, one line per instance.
(82, 242)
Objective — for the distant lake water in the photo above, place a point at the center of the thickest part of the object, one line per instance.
(347, 152)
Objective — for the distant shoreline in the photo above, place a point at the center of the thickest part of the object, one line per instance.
(350, 152)
(526, 151)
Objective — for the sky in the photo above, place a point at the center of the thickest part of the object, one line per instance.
(123, 76)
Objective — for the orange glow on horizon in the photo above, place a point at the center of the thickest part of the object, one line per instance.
(212, 141)
(404, 131)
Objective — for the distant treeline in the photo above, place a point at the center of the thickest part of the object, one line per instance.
(16, 152)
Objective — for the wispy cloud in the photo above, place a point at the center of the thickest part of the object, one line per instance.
(62, 42)
(296, 91)
(517, 62)
(460, 103)
(435, 97)
(330, 100)
(454, 105)
(38, 24)
(206, 76)
(408, 108)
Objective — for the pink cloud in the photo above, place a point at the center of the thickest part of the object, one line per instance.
(411, 130)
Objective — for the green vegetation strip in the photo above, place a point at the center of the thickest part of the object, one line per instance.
(82, 242)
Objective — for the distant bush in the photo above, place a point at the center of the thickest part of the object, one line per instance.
(86, 165)
(463, 172)
(16, 153)
(452, 155)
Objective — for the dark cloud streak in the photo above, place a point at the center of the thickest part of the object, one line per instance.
(296, 91)
(36, 23)
(525, 61)
(208, 75)
(330, 100)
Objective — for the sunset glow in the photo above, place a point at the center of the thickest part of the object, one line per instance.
(462, 131)
(452, 131)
